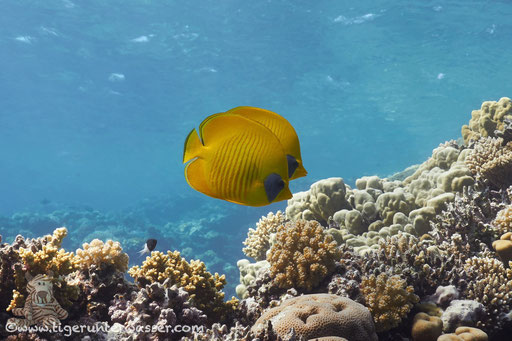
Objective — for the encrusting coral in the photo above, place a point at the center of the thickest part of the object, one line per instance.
(320, 315)
(258, 240)
(389, 299)
(503, 248)
(426, 327)
(205, 289)
(302, 256)
(465, 334)
(491, 161)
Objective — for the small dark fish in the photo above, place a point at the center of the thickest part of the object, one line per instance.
(148, 246)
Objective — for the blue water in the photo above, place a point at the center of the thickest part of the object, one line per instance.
(96, 98)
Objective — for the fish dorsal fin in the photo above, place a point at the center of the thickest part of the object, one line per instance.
(225, 124)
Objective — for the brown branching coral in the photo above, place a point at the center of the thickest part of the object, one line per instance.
(491, 161)
(205, 289)
(389, 299)
(302, 256)
(258, 240)
(503, 221)
(102, 254)
(490, 284)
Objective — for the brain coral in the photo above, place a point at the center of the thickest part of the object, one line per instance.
(491, 161)
(489, 118)
(388, 298)
(258, 240)
(320, 315)
(205, 289)
(303, 255)
(102, 254)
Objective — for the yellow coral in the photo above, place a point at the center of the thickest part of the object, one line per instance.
(492, 161)
(102, 254)
(503, 220)
(389, 299)
(303, 255)
(203, 287)
(50, 258)
(489, 118)
(17, 300)
(258, 240)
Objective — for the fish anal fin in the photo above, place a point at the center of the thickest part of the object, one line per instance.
(196, 177)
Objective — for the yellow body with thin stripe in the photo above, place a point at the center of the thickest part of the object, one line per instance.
(231, 159)
(281, 128)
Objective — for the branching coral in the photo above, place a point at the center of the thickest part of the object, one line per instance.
(258, 240)
(102, 255)
(205, 289)
(503, 220)
(50, 257)
(491, 161)
(302, 256)
(489, 118)
(161, 305)
(389, 299)
(490, 284)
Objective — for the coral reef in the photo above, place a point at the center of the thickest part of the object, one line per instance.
(389, 299)
(320, 315)
(302, 256)
(412, 256)
(205, 289)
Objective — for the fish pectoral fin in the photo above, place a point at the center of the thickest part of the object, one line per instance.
(196, 177)
(192, 146)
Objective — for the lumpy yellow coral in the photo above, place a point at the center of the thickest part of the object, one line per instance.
(389, 299)
(205, 289)
(50, 258)
(303, 255)
(487, 119)
(102, 254)
(258, 240)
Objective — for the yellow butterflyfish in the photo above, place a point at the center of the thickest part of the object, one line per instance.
(236, 159)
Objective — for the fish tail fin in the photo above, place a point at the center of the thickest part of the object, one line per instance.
(192, 146)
